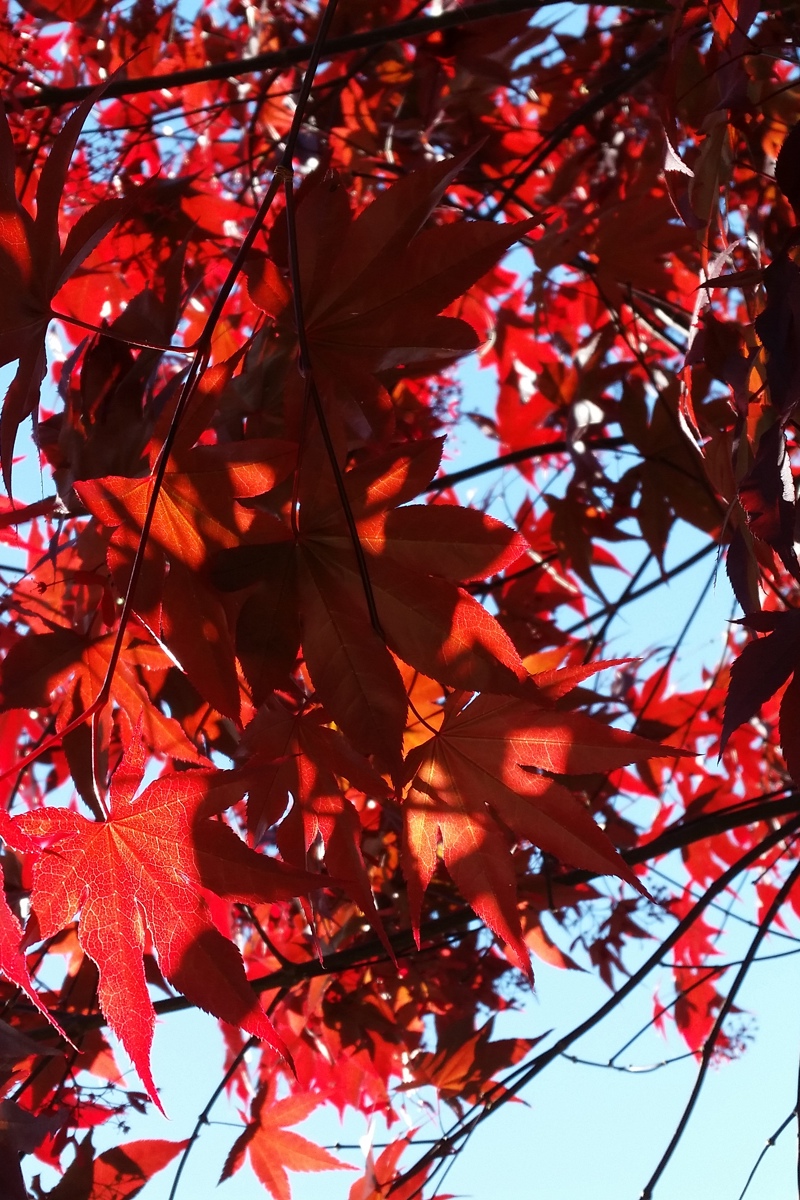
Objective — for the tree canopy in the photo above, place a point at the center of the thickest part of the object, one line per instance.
(296, 728)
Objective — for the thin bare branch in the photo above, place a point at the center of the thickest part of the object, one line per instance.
(57, 97)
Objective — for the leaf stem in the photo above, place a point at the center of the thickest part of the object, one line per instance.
(307, 371)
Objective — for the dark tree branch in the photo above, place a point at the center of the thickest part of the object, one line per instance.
(711, 1041)
(463, 921)
(541, 450)
(614, 607)
(687, 833)
(56, 97)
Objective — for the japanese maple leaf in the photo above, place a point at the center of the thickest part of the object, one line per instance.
(465, 1062)
(415, 557)
(763, 666)
(142, 871)
(67, 670)
(196, 515)
(373, 285)
(274, 1149)
(116, 1174)
(295, 754)
(469, 785)
(12, 959)
(33, 266)
(378, 1174)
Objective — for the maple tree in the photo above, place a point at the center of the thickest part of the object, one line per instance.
(297, 729)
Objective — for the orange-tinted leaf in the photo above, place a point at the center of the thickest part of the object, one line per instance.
(470, 784)
(466, 1061)
(116, 1174)
(412, 556)
(460, 544)
(196, 515)
(274, 1149)
(64, 668)
(196, 511)
(441, 630)
(141, 872)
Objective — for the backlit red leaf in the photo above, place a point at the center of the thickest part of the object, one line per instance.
(141, 872)
(274, 1149)
(470, 784)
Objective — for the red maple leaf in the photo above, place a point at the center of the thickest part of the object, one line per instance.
(116, 1174)
(67, 670)
(142, 872)
(489, 769)
(373, 285)
(380, 1172)
(274, 1149)
(415, 558)
(195, 516)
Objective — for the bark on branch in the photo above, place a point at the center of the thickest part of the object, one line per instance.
(57, 97)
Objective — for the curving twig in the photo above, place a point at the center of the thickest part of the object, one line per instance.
(713, 1037)
(771, 1140)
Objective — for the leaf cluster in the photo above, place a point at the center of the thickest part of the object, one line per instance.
(294, 730)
